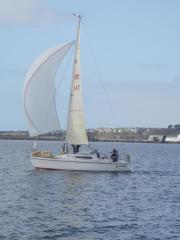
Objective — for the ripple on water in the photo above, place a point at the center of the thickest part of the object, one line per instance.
(73, 205)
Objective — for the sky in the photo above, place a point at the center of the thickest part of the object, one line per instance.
(130, 58)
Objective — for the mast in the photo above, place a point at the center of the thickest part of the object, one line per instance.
(76, 131)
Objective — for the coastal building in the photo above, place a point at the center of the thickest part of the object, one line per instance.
(173, 139)
(156, 138)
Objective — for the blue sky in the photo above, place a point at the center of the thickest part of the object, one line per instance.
(130, 58)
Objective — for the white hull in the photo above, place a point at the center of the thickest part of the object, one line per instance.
(71, 162)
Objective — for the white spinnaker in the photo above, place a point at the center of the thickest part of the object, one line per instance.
(39, 91)
(76, 130)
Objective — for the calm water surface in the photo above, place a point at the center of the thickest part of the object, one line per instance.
(66, 205)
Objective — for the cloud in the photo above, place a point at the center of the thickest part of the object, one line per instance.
(23, 12)
(153, 66)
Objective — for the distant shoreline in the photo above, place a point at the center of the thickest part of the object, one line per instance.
(122, 135)
(60, 140)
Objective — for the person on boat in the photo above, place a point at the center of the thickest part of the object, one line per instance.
(75, 148)
(97, 153)
(63, 148)
(114, 155)
(128, 158)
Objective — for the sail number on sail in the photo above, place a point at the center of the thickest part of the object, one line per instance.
(76, 76)
(76, 87)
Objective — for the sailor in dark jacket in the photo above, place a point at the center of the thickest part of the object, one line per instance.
(114, 155)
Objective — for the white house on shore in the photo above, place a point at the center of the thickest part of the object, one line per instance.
(156, 138)
(173, 138)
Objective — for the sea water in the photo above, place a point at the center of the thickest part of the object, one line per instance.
(144, 204)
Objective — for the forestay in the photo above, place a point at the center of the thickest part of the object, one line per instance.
(39, 91)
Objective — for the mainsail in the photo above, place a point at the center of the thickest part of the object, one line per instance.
(39, 91)
(76, 131)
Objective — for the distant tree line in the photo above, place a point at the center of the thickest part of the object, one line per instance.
(177, 126)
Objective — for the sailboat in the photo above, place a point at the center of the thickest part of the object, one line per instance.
(41, 114)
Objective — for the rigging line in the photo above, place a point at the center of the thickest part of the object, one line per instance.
(98, 70)
(123, 149)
